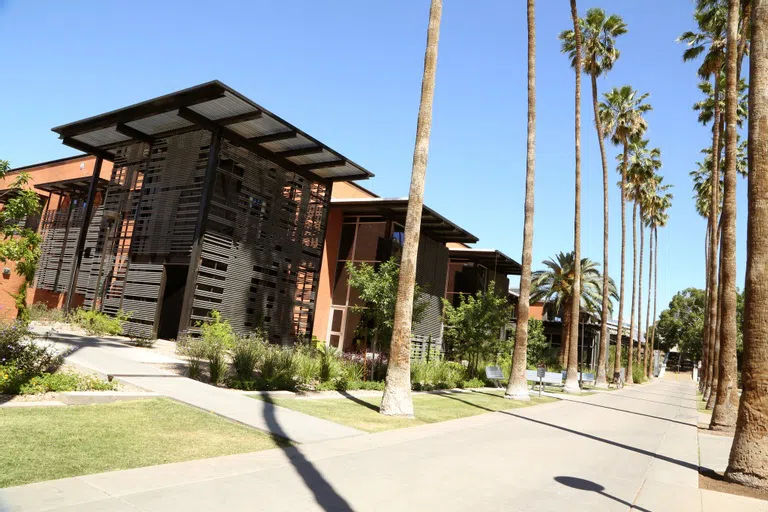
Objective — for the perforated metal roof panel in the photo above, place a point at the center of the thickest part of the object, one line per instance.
(212, 105)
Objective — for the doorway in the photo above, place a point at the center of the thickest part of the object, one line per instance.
(336, 327)
(173, 298)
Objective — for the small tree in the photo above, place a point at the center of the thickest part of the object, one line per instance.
(19, 243)
(538, 346)
(377, 288)
(475, 324)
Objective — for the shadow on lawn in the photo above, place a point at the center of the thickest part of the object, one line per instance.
(325, 495)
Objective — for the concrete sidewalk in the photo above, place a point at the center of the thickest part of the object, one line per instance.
(129, 364)
(631, 449)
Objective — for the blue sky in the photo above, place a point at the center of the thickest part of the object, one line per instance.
(349, 73)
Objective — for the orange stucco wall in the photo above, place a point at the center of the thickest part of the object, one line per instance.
(43, 173)
(341, 190)
(537, 311)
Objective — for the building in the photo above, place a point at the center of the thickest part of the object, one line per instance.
(203, 200)
(212, 203)
(365, 228)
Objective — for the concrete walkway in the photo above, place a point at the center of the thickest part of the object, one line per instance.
(129, 364)
(634, 449)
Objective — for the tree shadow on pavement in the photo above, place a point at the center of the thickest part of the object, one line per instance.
(682, 463)
(653, 401)
(325, 495)
(590, 486)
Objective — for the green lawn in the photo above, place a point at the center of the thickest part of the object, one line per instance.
(362, 413)
(701, 405)
(44, 443)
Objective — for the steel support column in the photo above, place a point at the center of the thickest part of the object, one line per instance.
(83, 232)
(195, 257)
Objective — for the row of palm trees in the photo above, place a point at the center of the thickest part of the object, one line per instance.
(725, 28)
(728, 30)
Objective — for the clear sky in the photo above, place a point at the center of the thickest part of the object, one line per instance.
(349, 73)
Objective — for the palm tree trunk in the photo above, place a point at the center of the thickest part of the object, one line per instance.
(705, 333)
(397, 391)
(600, 380)
(716, 336)
(631, 354)
(640, 290)
(727, 399)
(565, 335)
(572, 374)
(620, 321)
(748, 463)
(648, 305)
(713, 238)
(517, 388)
(655, 293)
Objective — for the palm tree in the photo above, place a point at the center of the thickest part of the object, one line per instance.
(517, 387)
(747, 463)
(397, 391)
(600, 53)
(572, 374)
(643, 163)
(727, 399)
(659, 201)
(621, 113)
(710, 41)
(555, 287)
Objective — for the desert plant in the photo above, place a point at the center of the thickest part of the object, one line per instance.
(99, 324)
(247, 352)
(194, 350)
(64, 381)
(40, 312)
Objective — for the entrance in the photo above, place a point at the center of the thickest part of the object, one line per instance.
(173, 297)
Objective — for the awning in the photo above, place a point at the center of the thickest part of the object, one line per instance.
(72, 186)
(432, 223)
(209, 106)
(489, 258)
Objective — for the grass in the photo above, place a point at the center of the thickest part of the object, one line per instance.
(44, 443)
(701, 405)
(363, 413)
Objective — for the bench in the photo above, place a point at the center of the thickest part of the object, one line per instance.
(584, 376)
(551, 378)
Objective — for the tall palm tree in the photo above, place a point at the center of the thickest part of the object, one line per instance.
(572, 374)
(643, 164)
(621, 113)
(517, 387)
(599, 33)
(397, 391)
(660, 202)
(748, 462)
(710, 41)
(727, 400)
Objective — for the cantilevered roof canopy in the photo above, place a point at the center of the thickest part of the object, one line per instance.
(73, 186)
(210, 106)
(432, 223)
(489, 258)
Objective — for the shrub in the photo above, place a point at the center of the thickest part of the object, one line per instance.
(471, 383)
(11, 379)
(247, 353)
(195, 351)
(18, 350)
(59, 382)
(279, 369)
(39, 312)
(436, 375)
(638, 373)
(99, 324)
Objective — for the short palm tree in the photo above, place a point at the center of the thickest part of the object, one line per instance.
(599, 33)
(622, 115)
(555, 284)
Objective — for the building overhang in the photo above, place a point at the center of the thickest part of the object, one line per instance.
(489, 258)
(73, 186)
(212, 106)
(433, 224)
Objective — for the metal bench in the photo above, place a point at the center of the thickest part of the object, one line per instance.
(584, 376)
(551, 378)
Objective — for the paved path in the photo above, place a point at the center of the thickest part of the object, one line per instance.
(630, 449)
(130, 364)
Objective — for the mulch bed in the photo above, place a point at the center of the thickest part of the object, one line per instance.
(713, 481)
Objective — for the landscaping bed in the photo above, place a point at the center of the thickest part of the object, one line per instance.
(363, 412)
(58, 442)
